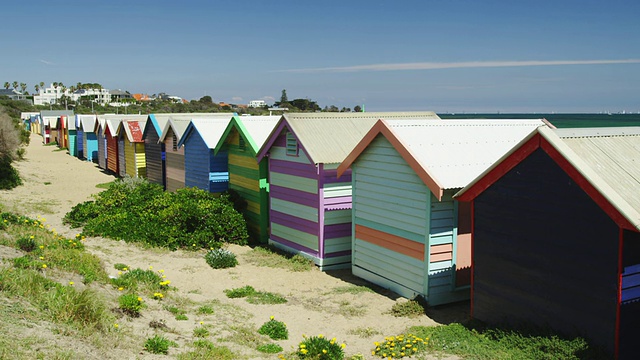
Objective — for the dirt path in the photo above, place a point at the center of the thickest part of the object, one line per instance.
(54, 181)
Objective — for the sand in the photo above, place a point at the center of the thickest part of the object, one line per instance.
(54, 182)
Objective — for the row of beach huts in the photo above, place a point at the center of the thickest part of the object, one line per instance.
(533, 224)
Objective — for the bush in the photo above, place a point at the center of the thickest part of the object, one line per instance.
(270, 348)
(9, 176)
(276, 330)
(136, 210)
(410, 308)
(255, 297)
(221, 258)
(318, 347)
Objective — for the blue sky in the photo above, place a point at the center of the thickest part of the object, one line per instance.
(445, 56)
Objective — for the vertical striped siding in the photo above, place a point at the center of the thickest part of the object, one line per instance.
(73, 143)
(196, 162)
(122, 159)
(389, 214)
(294, 219)
(174, 163)
(90, 150)
(112, 152)
(80, 140)
(153, 155)
(102, 150)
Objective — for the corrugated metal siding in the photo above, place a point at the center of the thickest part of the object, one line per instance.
(130, 158)
(330, 137)
(390, 198)
(545, 253)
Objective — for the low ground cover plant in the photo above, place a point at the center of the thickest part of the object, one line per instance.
(276, 330)
(411, 308)
(220, 258)
(131, 304)
(158, 345)
(400, 346)
(138, 211)
(255, 297)
(274, 258)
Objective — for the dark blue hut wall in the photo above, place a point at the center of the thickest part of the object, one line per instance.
(196, 162)
(630, 308)
(154, 156)
(219, 173)
(545, 253)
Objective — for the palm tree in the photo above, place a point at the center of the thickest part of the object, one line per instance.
(7, 85)
(15, 84)
(23, 87)
(41, 84)
(37, 87)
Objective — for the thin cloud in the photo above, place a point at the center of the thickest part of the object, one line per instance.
(458, 65)
(46, 62)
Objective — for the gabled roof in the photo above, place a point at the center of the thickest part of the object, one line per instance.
(178, 122)
(255, 129)
(329, 137)
(447, 154)
(133, 129)
(604, 162)
(210, 129)
(87, 122)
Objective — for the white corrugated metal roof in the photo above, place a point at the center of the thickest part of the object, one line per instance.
(613, 154)
(454, 152)
(211, 129)
(259, 127)
(87, 122)
(329, 137)
(179, 121)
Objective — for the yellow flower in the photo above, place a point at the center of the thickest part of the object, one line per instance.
(41, 257)
(124, 269)
(31, 237)
(343, 345)
(161, 271)
(120, 288)
(44, 266)
(77, 235)
(324, 351)
(115, 326)
(302, 346)
(304, 351)
(320, 336)
(139, 298)
(373, 353)
(201, 322)
(271, 317)
(41, 247)
(150, 267)
(119, 272)
(414, 349)
(71, 283)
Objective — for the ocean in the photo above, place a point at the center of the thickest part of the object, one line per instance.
(561, 120)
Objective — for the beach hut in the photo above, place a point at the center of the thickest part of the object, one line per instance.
(113, 160)
(71, 135)
(556, 236)
(132, 155)
(87, 138)
(310, 210)
(242, 139)
(50, 123)
(154, 149)
(100, 130)
(205, 168)
(36, 124)
(409, 235)
(174, 155)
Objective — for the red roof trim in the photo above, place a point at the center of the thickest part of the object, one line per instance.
(585, 185)
(501, 169)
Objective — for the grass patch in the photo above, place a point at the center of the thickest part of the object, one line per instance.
(255, 297)
(409, 309)
(365, 332)
(139, 280)
(206, 350)
(245, 336)
(349, 289)
(104, 185)
(158, 345)
(347, 310)
(477, 341)
(205, 310)
(269, 348)
(274, 258)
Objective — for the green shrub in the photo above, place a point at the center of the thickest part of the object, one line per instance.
(136, 210)
(139, 280)
(24, 262)
(205, 310)
(220, 258)
(9, 176)
(157, 345)
(201, 332)
(131, 304)
(270, 348)
(255, 297)
(240, 292)
(181, 317)
(26, 243)
(276, 330)
(121, 267)
(409, 308)
(319, 347)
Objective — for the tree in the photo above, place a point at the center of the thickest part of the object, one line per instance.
(23, 87)
(206, 99)
(7, 85)
(305, 105)
(37, 87)
(357, 108)
(15, 84)
(41, 84)
(283, 97)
